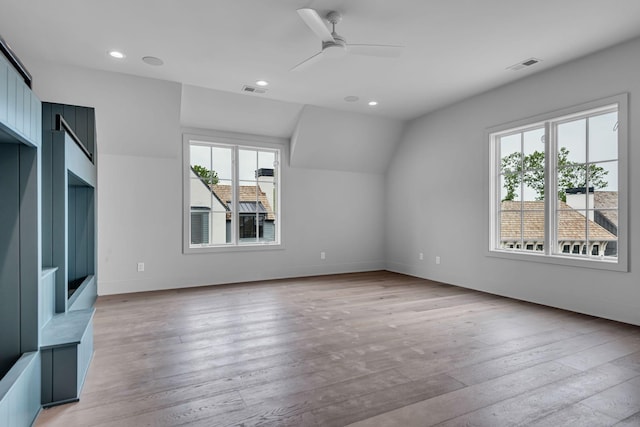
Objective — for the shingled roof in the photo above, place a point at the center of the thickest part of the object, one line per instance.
(247, 194)
(572, 223)
(606, 202)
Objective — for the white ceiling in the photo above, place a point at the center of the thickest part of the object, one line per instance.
(454, 48)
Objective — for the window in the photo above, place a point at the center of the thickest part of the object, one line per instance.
(248, 226)
(232, 193)
(558, 186)
(199, 225)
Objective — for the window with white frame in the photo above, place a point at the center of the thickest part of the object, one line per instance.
(558, 186)
(232, 194)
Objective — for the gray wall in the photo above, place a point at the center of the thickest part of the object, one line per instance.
(434, 199)
(140, 194)
(437, 191)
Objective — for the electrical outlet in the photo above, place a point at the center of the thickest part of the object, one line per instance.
(323, 255)
(141, 266)
(420, 256)
(437, 260)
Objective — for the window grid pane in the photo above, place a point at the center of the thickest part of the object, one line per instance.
(585, 187)
(522, 167)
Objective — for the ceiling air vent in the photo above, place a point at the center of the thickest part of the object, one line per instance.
(524, 64)
(253, 89)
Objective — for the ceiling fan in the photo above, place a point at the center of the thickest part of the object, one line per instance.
(333, 44)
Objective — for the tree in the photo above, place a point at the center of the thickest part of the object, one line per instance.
(530, 171)
(574, 175)
(210, 177)
(511, 167)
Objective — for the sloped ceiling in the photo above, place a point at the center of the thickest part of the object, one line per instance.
(330, 139)
(321, 138)
(225, 111)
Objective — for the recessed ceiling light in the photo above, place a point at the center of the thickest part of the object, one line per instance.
(116, 54)
(262, 83)
(152, 60)
(373, 103)
(351, 98)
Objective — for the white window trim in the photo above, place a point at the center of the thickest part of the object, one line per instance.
(622, 263)
(234, 139)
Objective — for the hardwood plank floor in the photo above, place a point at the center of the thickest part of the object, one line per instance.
(363, 349)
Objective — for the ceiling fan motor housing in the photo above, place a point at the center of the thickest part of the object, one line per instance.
(335, 48)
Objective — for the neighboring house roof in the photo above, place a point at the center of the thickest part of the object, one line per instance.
(248, 195)
(572, 223)
(606, 202)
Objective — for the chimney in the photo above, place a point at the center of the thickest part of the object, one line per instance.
(266, 182)
(577, 198)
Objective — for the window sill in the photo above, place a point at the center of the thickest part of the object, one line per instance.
(569, 261)
(233, 248)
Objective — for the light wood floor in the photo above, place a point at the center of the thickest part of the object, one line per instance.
(375, 349)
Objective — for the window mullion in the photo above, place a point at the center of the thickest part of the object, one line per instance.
(522, 206)
(550, 188)
(496, 210)
(211, 199)
(257, 199)
(235, 221)
(587, 179)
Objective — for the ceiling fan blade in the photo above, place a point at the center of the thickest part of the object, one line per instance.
(307, 62)
(316, 24)
(375, 50)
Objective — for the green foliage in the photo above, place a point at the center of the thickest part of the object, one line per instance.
(511, 167)
(530, 171)
(210, 177)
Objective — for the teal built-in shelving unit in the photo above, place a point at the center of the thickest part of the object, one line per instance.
(47, 247)
(20, 141)
(69, 174)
